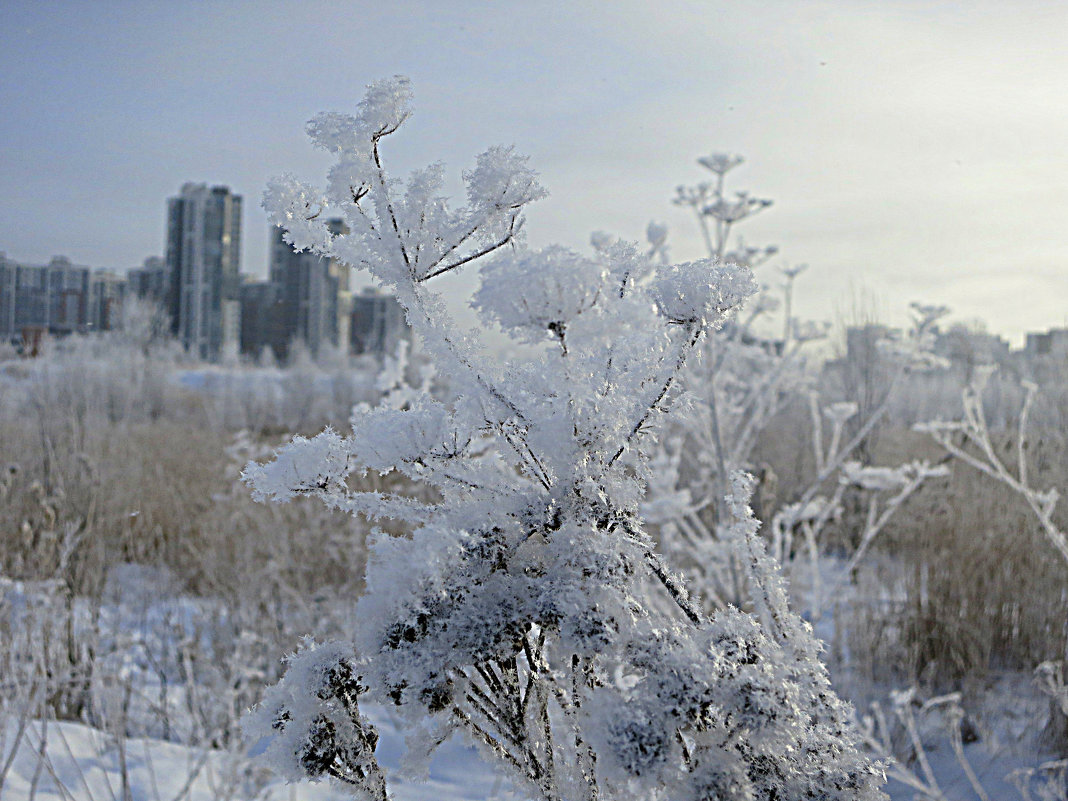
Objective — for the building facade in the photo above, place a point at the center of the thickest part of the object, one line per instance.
(377, 323)
(308, 299)
(308, 290)
(203, 269)
(150, 280)
(263, 320)
(37, 299)
(107, 295)
(1051, 343)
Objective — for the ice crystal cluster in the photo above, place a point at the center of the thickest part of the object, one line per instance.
(524, 605)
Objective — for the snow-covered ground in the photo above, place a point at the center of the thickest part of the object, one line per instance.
(86, 764)
(140, 616)
(78, 762)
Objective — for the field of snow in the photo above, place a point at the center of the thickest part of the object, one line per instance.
(80, 763)
(86, 764)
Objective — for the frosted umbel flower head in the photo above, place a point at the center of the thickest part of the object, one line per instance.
(502, 182)
(385, 107)
(720, 163)
(539, 292)
(701, 292)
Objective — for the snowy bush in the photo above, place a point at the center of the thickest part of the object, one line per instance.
(526, 607)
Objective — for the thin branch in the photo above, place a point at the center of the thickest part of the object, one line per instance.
(652, 407)
(871, 530)
(494, 744)
(835, 460)
(476, 255)
(463, 238)
(389, 200)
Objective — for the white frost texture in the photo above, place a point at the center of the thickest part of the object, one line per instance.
(523, 604)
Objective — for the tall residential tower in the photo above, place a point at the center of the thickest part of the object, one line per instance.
(308, 287)
(203, 263)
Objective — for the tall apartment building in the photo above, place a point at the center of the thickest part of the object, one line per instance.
(51, 298)
(107, 294)
(308, 299)
(343, 273)
(203, 268)
(68, 296)
(263, 320)
(8, 273)
(308, 289)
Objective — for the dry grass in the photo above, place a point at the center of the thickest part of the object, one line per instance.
(963, 584)
(162, 494)
(967, 585)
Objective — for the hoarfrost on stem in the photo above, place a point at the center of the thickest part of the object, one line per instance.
(526, 606)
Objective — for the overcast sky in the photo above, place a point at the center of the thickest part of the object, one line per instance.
(914, 150)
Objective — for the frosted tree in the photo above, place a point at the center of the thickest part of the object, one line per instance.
(520, 604)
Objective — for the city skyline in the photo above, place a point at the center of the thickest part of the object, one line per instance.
(212, 311)
(913, 151)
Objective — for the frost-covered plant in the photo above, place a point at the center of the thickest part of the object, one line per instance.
(1050, 677)
(968, 440)
(736, 391)
(521, 606)
(916, 770)
(742, 380)
(913, 739)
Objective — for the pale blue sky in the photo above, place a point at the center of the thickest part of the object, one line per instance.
(913, 150)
